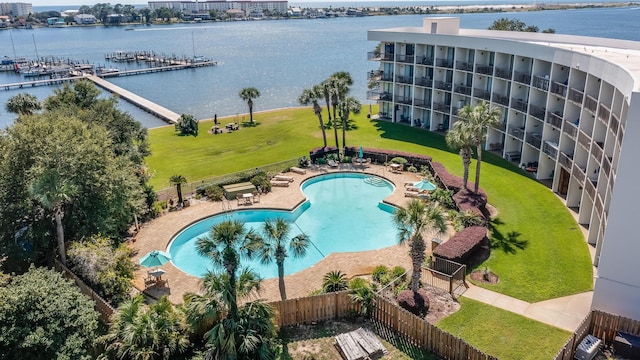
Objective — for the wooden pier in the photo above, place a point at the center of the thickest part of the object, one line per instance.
(188, 65)
(146, 105)
(24, 84)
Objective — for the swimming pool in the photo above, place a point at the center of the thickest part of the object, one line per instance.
(343, 213)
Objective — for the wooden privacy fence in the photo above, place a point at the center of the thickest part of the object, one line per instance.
(415, 330)
(601, 325)
(101, 305)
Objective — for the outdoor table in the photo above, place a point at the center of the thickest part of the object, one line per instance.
(248, 198)
(157, 274)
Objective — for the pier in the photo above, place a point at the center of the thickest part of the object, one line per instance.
(146, 105)
(186, 65)
(53, 81)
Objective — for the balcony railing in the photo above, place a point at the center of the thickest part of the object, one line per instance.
(599, 206)
(591, 104)
(541, 83)
(584, 140)
(484, 69)
(591, 190)
(536, 112)
(519, 104)
(516, 132)
(482, 94)
(570, 129)
(533, 139)
(375, 75)
(565, 161)
(387, 77)
(463, 65)
(503, 73)
(550, 149)
(425, 104)
(596, 151)
(613, 125)
(442, 85)
(576, 96)
(444, 63)
(502, 127)
(606, 165)
(425, 60)
(403, 100)
(404, 79)
(554, 119)
(442, 107)
(463, 89)
(521, 77)
(405, 58)
(500, 99)
(578, 173)
(378, 95)
(603, 113)
(376, 56)
(558, 88)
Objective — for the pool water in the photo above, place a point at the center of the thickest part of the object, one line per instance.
(343, 213)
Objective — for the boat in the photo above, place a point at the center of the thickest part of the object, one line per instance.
(104, 72)
(128, 29)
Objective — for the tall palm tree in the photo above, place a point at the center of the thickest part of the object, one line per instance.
(248, 94)
(458, 138)
(340, 85)
(326, 94)
(311, 96)
(227, 242)
(333, 281)
(345, 107)
(54, 192)
(273, 247)
(475, 124)
(23, 104)
(412, 221)
(178, 180)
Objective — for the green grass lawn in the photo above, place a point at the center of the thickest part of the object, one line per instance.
(503, 334)
(538, 249)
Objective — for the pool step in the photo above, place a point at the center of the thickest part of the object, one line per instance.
(375, 181)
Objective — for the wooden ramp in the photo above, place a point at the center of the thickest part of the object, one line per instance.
(360, 344)
(146, 105)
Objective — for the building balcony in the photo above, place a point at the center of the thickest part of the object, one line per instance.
(584, 140)
(603, 113)
(375, 75)
(606, 165)
(404, 79)
(554, 119)
(462, 89)
(596, 151)
(444, 63)
(578, 173)
(442, 107)
(376, 56)
(599, 206)
(519, 104)
(533, 139)
(442, 85)
(502, 127)
(558, 88)
(613, 125)
(500, 99)
(424, 82)
(407, 59)
(516, 132)
(575, 96)
(421, 103)
(570, 129)
(521, 77)
(482, 94)
(550, 148)
(463, 65)
(425, 60)
(591, 104)
(541, 83)
(484, 69)
(386, 77)
(537, 112)
(566, 160)
(591, 189)
(378, 95)
(403, 100)
(503, 73)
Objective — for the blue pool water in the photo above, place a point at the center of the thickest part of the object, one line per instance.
(343, 213)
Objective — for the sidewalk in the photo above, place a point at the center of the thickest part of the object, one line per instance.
(565, 312)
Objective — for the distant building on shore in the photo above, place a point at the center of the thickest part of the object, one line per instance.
(197, 7)
(16, 9)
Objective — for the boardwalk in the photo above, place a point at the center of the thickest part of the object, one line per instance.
(159, 69)
(146, 105)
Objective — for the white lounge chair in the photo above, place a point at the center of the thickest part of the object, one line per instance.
(283, 178)
(279, 183)
(298, 170)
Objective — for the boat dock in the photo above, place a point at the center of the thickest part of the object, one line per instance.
(146, 105)
(53, 81)
(181, 66)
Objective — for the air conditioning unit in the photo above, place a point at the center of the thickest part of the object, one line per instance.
(588, 348)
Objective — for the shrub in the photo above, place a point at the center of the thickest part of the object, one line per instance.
(187, 125)
(214, 192)
(379, 272)
(462, 244)
(467, 218)
(444, 197)
(412, 169)
(400, 160)
(399, 271)
(261, 181)
(416, 303)
(334, 281)
(346, 159)
(321, 161)
(158, 208)
(357, 283)
(304, 162)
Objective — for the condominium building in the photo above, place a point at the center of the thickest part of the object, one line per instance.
(16, 9)
(570, 115)
(203, 6)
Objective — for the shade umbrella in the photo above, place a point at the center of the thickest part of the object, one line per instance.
(360, 153)
(155, 258)
(424, 185)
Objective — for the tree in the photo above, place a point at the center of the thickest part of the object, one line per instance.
(412, 221)
(474, 123)
(23, 104)
(248, 94)
(506, 24)
(54, 193)
(178, 180)
(347, 106)
(146, 332)
(273, 247)
(457, 138)
(326, 94)
(187, 125)
(334, 281)
(311, 96)
(340, 85)
(44, 316)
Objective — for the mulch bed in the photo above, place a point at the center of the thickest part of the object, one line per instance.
(479, 276)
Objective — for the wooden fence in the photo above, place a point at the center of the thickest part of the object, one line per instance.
(601, 325)
(101, 305)
(416, 331)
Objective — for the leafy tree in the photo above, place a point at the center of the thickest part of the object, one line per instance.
(23, 104)
(273, 247)
(178, 180)
(412, 221)
(457, 138)
(506, 24)
(138, 331)
(248, 94)
(44, 316)
(334, 281)
(187, 125)
(364, 296)
(347, 106)
(311, 96)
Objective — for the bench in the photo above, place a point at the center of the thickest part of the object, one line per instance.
(279, 183)
(298, 170)
(283, 178)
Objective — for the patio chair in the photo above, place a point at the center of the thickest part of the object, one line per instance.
(332, 163)
(298, 170)
(413, 194)
(149, 281)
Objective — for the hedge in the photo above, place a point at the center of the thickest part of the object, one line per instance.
(462, 244)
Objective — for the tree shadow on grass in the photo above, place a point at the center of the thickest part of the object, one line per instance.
(509, 243)
(250, 124)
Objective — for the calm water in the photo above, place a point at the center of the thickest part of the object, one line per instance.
(280, 58)
(343, 214)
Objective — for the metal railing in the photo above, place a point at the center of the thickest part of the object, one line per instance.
(503, 73)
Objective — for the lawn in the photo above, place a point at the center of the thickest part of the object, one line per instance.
(538, 249)
(503, 334)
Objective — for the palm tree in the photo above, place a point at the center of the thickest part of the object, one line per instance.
(178, 180)
(23, 104)
(475, 123)
(53, 192)
(334, 281)
(458, 138)
(311, 96)
(412, 221)
(326, 94)
(225, 244)
(339, 87)
(273, 247)
(345, 107)
(248, 94)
